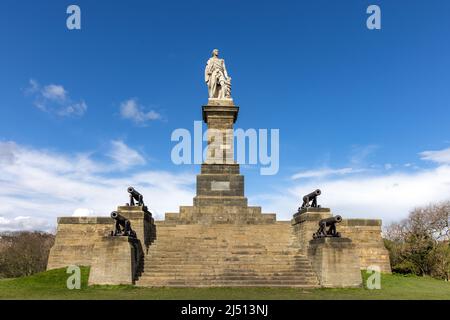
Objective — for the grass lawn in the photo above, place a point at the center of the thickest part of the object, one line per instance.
(52, 285)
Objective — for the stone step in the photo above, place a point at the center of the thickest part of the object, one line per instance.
(227, 283)
(219, 242)
(207, 246)
(268, 272)
(229, 279)
(226, 256)
(230, 263)
(229, 266)
(193, 269)
(223, 248)
(222, 256)
(223, 237)
(205, 251)
(262, 275)
(224, 260)
(217, 254)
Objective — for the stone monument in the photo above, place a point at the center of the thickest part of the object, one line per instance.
(220, 186)
(220, 241)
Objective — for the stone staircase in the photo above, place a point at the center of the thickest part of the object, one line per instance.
(226, 255)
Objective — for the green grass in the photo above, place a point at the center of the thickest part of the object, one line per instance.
(52, 285)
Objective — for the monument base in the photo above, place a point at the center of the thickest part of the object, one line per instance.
(116, 261)
(220, 214)
(336, 262)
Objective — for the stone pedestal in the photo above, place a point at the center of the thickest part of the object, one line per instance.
(220, 186)
(306, 222)
(336, 262)
(141, 222)
(116, 261)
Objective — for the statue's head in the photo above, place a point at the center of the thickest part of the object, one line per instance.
(215, 53)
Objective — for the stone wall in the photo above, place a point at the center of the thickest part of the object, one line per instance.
(75, 240)
(366, 235)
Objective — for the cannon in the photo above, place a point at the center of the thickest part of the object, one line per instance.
(327, 228)
(311, 197)
(123, 226)
(135, 196)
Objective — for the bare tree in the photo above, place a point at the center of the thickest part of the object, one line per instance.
(420, 243)
(24, 253)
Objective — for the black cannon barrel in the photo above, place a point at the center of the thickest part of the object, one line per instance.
(331, 220)
(116, 216)
(312, 195)
(134, 193)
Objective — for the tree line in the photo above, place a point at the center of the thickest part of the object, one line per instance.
(24, 253)
(420, 243)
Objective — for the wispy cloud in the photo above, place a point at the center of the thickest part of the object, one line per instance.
(124, 155)
(132, 110)
(439, 156)
(360, 154)
(42, 185)
(55, 99)
(325, 172)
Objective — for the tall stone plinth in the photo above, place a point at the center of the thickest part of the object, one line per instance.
(336, 262)
(141, 221)
(306, 222)
(220, 186)
(116, 260)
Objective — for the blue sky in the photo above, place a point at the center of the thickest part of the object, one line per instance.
(362, 114)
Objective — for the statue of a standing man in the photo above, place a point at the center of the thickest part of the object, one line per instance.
(216, 77)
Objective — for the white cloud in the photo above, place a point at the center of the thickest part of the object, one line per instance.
(131, 110)
(440, 156)
(124, 155)
(23, 223)
(83, 212)
(55, 99)
(75, 109)
(386, 195)
(324, 172)
(42, 185)
(53, 92)
(36, 186)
